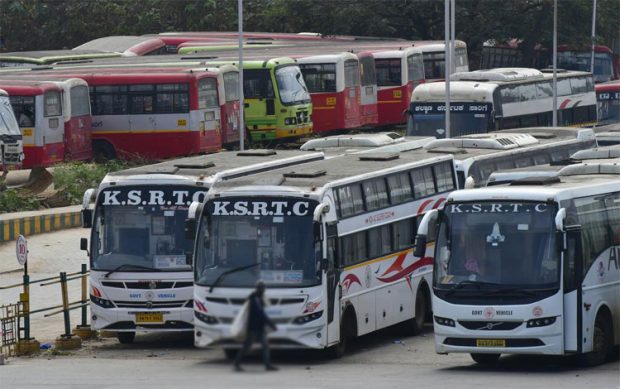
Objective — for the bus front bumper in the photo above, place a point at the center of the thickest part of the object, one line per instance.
(310, 335)
(546, 340)
(154, 320)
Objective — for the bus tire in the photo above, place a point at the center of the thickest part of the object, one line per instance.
(421, 310)
(126, 337)
(485, 359)
(103, 151)
(347, 330)
(602, 341)
(231, 353)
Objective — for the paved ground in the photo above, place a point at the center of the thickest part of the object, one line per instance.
(387, 359)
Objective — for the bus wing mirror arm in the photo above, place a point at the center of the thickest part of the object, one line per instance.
(423, 230)
(560, 216)
(319, 211)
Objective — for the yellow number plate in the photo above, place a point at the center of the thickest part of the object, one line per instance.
(490, 343)
(149, 317)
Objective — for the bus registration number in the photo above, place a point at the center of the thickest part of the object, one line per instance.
(149, 317)
(490, 343)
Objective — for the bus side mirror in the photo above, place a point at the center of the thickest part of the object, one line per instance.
(317, 232)
(84, 244)
(87, 218)
(324, 264)
(190, 229)
(420, 246)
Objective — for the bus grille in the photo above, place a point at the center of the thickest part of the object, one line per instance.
(490, 325)
(241, 301)
(151, 304)
(471, 342)
(147, 284)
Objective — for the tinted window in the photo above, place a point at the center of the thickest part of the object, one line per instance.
(319, 77)
(207, 93)
(423, 184)
(52, 104)
(444, 176)
(80, 101)
(375, 194)
(388, 72)
(351, 73)
(400, 187)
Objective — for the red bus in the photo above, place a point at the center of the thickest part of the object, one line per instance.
(151, 112)
(38, 109)
(572, 59)
(398, 73)
(608, 99)
(369, 94)
(334, 84)
(127, 45)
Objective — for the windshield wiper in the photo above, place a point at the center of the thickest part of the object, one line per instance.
(464, 283)
(128, 265)
(221, 276)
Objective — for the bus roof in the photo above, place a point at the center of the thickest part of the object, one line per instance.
(28, 87)
(327, 58)
(609, 86)
(125, 44)
(316, 177)
(571, 181)
(206, 169)
(50, 56)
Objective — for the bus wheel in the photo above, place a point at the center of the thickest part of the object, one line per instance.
(126, 337)
(601, 342)
(230, 353)
(485, 359)
(103, 151)
(417, 323)
(338, 350)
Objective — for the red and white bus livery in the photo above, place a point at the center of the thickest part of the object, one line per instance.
(333, 81)
(38, 109)
(398, 73)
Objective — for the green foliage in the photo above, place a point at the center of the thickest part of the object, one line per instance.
(13, 200)
(72, 179)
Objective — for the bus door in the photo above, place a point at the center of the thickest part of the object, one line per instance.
(332, 276)
(369, 91)
(53, 128)
(142, 108)
(572, 273)
(259, 94)
(78, 125)
(352, 97)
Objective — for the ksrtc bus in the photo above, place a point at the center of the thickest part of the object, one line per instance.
(571, 59)
(332, 240)
(398, 73)
(11, 143)
(334, 84)
(477, 156)
(152, 112)
(277, 101)
(483, 101)
(434, 56)
(608, 97)
(530, 270)
(140, 256)
(39, 111)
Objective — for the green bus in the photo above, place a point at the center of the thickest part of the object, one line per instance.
(277, 102)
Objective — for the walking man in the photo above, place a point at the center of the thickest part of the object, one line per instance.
(256, 331)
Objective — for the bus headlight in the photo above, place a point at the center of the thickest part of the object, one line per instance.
(444, 321)
(289, 121)
(205, 318)
(103, 303)
(543, 321)
(308, 318)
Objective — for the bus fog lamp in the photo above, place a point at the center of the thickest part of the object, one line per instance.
(205, 318)
(444, 321)
(308, 318)
(542, 322)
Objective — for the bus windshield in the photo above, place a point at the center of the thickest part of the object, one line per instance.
(291, 85)
(142, 228)
(497, 244)
(241, 241)
(575, 60)
(468, 118)
(8, 124)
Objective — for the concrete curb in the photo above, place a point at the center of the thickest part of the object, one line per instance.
(37, 222)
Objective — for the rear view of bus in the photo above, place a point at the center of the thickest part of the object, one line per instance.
(39, 113)
(529, 270)
(11, 145)
(333, 82)
(398, 73)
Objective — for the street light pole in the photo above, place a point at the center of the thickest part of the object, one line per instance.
(241, 99)
(555, 64)
(447, 65)
(593, 36)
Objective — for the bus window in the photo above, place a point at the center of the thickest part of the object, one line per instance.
(350, 201)
(388, 72)
(375, 194)
(319, 77)
(231, 86)
(399, 188)
(207, 93)
(415, 67)
(257, 84)
(578, 85)
(52, 104)
(379, 242)
(140, 104)
(351, 73)
(367, 67)
(403, 233)
(443, 176)
(510, 94)
(23, 107)
(544, 89)
(354, 248)
(564, 87)
(79, 101)
(423, 184)
(592, 216)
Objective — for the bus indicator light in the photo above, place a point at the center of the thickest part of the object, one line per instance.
(181, 122)
(330, 101)
(397, 94)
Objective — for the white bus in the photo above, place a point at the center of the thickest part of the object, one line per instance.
(11, 142)
(140, 257)
(503, 98)
(332, 240)
(530, 270)
(477, 156)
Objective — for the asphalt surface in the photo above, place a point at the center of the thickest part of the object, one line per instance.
(386, 359)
